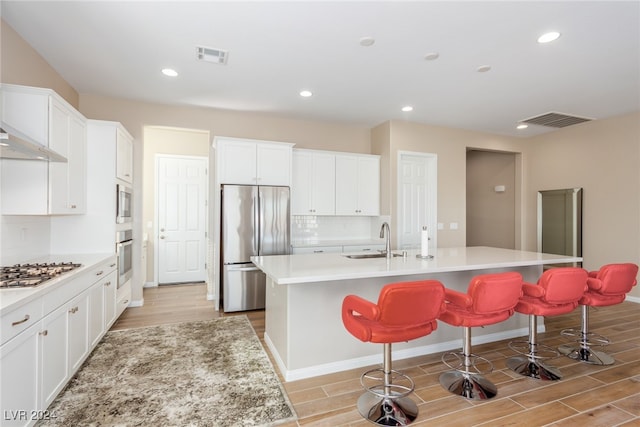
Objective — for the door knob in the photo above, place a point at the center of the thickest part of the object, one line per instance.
(162, 237)
(162, 229)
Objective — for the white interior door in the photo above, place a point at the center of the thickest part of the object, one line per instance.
(417, 199)
(181, 213)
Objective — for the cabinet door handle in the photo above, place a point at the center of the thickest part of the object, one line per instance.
(44, 333)
(19, 322)
(108, 283)
(112, 265)
(74, 310)
(99, 273)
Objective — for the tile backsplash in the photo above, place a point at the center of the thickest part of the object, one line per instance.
(312, 228)
(23, 238)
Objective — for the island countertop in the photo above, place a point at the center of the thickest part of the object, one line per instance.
(307, 268)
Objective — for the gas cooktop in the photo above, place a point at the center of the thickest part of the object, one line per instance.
(29, 275)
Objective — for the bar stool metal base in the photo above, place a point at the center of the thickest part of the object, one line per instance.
(470, 386)
(396, 411)
(533, 369)
(586, 355)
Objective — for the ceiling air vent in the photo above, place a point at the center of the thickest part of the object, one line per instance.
(555, 120)
(209, 54)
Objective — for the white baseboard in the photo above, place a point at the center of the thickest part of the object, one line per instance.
(136, 303)
(633, 299)
(359, 362)
(150, 285)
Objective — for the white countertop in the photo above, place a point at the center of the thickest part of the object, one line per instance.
(12, 298)
(306, 268)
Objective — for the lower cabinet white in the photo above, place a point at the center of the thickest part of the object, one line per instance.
(317, 250)
(53, 336)
(20, 379)
(54, 366)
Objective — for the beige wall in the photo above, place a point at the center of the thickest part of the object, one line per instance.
(163, 140)
(450, 145)
(20, 64)
(602, 157)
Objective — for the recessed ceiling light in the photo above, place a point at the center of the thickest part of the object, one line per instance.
(483, 68)
(548, 37)
(432, 56)
(407, 108)
(367, 41)
(522, 126)
(169, 72)
(305, 93)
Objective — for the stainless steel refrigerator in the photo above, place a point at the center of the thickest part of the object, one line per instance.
(255, 221)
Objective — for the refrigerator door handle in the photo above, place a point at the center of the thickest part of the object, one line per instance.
(256, 225)
(260, 220)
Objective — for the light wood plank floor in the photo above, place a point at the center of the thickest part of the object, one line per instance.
(588, 395)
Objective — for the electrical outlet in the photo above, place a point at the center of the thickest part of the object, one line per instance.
(453, 226)
(440, 226)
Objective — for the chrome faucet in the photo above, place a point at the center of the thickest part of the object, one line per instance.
(388, 242)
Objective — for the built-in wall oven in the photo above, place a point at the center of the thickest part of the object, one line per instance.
(124, 251)
(123, 202)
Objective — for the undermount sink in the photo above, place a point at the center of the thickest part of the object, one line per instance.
(372, 255)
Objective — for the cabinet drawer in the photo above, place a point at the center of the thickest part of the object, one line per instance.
(318, 250)
(20, 319)
(363, 248)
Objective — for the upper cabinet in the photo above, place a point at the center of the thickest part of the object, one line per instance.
(357, 184)
(251, 162)
(32, 187)
(124, 154)
(313, 186)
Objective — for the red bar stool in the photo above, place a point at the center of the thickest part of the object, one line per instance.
(607, 286)
(557, 292)
(405, 311)
(490, 299)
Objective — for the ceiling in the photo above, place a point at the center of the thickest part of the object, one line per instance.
(277, 49)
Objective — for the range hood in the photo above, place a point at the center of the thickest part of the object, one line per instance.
(16, 145)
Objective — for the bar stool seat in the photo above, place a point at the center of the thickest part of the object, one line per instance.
(405, 311)
(490, 299)
(557, 292)
(607, 286)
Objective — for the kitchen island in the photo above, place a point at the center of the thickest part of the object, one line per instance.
(303, 323)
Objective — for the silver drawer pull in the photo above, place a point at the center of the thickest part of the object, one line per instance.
(74, 310)
(99, 273)
(112, 265)
(125, 302)
(108, 283)
(19, 322)
(44, 333)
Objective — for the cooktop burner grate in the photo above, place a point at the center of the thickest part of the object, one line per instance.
(29, 275)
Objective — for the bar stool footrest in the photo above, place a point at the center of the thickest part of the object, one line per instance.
(588, 339)
(401, 384)
(456, 361)
(541, 351)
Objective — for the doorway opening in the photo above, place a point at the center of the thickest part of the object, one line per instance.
(175, 198)
(492, 199)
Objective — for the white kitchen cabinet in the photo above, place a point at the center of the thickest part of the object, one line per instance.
(54, 349)
(313, 185)
(124, 150)
(37, 187)
(358, 185)
(123, 298)
(251, 162)
(78, 330)
(20, 379)
(45, 341)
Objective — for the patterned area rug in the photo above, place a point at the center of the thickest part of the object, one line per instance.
(209, 373)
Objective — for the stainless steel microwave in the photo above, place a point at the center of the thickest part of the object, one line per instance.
(124, 199)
